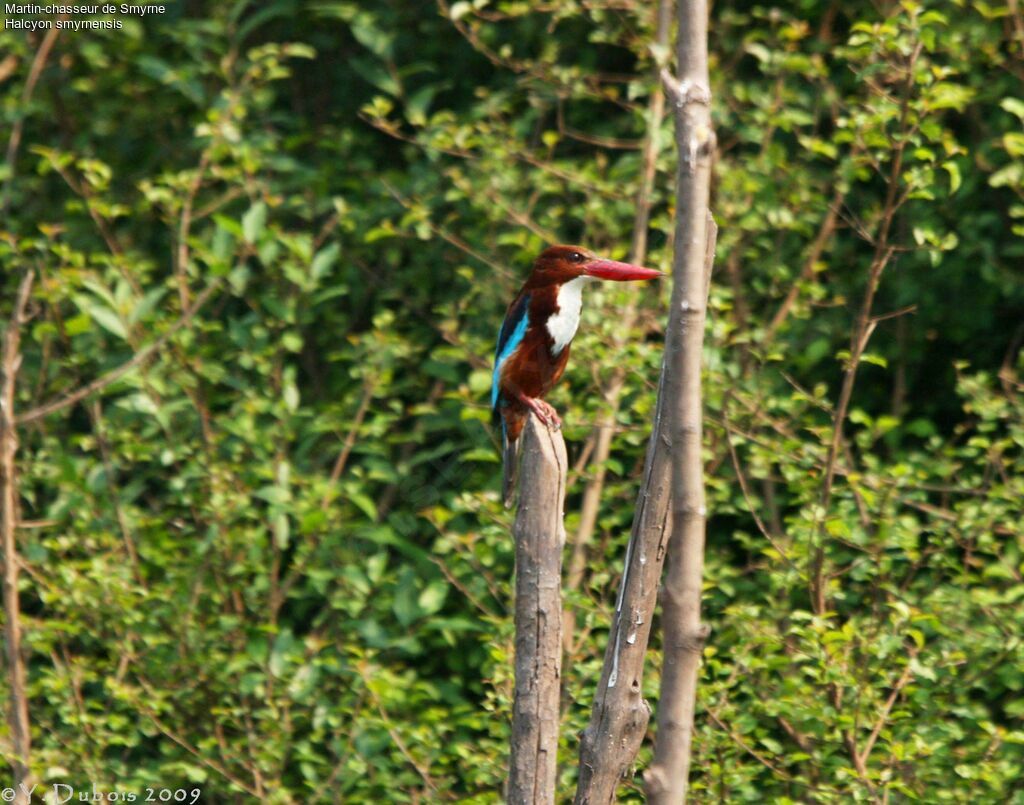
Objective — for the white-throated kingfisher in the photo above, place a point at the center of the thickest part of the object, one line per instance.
(533, 343)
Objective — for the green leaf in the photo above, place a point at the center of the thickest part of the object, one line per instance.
(229, 225)
(1013, 142)
(417, 104)
(282, 530)
(325, 260)
(291, 396)
(292, 342)
(77, 324)
(103, 316)
(459, 10)
(837, 528)
(433, 596)
(946, 95)
(1014, 106)
(954, 176)
(254, 222)
(146, 306)
(371, 36)
(362, 502)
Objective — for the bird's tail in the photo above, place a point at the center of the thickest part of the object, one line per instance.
(511, 428)
(510, 464)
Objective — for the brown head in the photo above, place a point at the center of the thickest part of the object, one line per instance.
(560, 264)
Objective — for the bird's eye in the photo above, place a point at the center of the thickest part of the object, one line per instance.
(576, 257)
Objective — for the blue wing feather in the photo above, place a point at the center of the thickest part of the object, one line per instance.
(517, 319)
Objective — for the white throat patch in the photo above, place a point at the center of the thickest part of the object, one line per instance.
(562, 325)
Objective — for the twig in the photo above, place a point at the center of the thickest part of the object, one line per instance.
(182, 256)
(443, 233)
(14, 142)
(863, 327)
(738, 740)
(96, 414)
(421, 770)
(462, 588)
(744, 488)
(828, 227)
(201, 757)
(350, 441)
(592, 139)
(107, 378)
(883, 717)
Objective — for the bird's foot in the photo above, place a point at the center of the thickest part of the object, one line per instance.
(544, 410)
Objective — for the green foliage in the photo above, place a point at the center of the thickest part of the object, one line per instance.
(271, 560)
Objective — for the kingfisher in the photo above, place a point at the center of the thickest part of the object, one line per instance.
(533, 343)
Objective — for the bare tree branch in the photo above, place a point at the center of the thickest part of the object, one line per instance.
(864, 326)
(17, 714)
(619, 717)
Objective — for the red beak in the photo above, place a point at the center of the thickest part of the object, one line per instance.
(620, 272)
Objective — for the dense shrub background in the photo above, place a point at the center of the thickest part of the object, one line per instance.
(272, 562)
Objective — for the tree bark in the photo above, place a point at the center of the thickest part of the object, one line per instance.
(619, 717)
(620, 714)
(17, 715)
(613, 394)
(667, 779)
(539, 536)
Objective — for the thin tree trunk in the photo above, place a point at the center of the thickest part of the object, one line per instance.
(539, 536)
(666, 780)
(619, 717)
(17, 714)
(613, 395)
